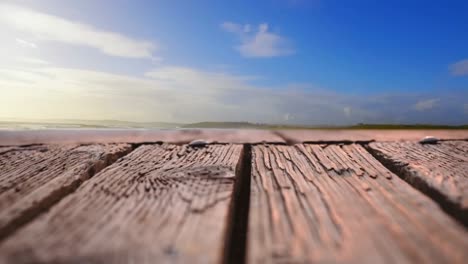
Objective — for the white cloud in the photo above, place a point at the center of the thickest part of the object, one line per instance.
(32, 61)
(347, 111)
(426, 104)
(46, 27)
(459, 68)
(259, 43)
(177, 94)
(233, 27)
(25, 43)
(183, 94)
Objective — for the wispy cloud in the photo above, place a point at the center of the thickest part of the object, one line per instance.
(347, 111)
(459, 68)
(182, 94)
(46, 27)
(259, 41)
(424, 105)
(32, 61)
(25, 43)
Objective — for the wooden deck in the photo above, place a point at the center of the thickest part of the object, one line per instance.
(246, 197)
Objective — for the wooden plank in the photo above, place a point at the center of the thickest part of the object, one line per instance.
(235, 136)
(158, 204)
(35, 177)
(337, 204)
(440, 170)
(366, 135)
(184, 136)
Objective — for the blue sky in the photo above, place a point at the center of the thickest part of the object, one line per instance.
(272, 61)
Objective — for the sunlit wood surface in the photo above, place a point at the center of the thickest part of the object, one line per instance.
(247, 196)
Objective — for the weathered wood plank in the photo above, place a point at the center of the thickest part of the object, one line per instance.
(439, 170)
(337, 204)
(365, 135)
(184, 136)
(35, 177)
(158, 204)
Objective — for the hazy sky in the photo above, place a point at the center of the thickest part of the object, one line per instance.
(272, 61)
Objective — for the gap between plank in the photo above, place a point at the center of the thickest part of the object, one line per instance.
(402, 171)
(235, 244)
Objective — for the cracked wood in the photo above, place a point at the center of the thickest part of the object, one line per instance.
(439, 170)
(33, 178)
(337, 204)
(158, 204)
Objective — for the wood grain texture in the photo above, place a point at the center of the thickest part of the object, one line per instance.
(183, 136)
(337, 204)
(158, 204)
(235, 136)
(33, 178)
(367, 135)
(439, 170)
